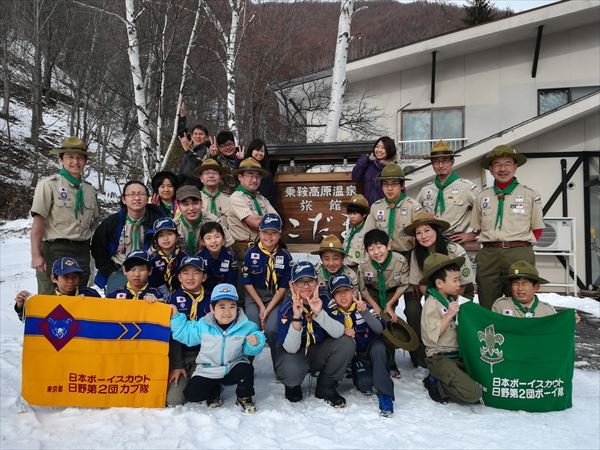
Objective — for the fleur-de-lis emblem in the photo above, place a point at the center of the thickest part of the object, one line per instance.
(489, 352)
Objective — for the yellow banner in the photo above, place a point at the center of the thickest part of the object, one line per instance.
(95, 352)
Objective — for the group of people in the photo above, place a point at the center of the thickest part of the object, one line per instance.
(209, 243)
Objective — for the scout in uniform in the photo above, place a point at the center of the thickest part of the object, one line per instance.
(332, 255)
(509, 219)
(447, 378)
(358, 210)
(165, 256)
(382, 280)
(396, 210)
(214, 201)
(164, 186)
(192, 218)
(64, 211)
(311, 340)
(247, 206)
(193, 300)
(221, 262)
(137, 270)
(448, 196)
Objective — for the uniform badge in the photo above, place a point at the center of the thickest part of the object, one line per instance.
(519, 199)
(62, 193)
(225, 264)
(485, 203)
(507, 312)
(428, 194)
(159, 263)
(403, 211)
(181, 301)
(121, 295)
(254, 256)
(380, 214)
(454, 191)
(466, 272)
(357, 254)
(396, 276)
(443, 310)
(369, 276)
(279, 260)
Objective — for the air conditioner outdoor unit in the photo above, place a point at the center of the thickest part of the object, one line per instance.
(557, 235)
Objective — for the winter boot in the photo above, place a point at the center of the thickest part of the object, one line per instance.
(247, 404)
(293, 393)
(214, 400)
(431, 384)
(386, 405)
(331, 396)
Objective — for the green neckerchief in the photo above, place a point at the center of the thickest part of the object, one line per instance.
(169, 207)
(353, 231)
(79, 204)
(392, 218)
(500, 193)
(191, 233)
(529, 312)
(213, 200)
(136, 225)
(441, 186)
(439, 297)
(381, 288)
(328, 275)
(252, 195)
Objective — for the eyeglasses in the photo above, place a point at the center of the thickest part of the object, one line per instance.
(305, 283)
(500, 165)
(135, 194)
(255, 176)
(441, 161)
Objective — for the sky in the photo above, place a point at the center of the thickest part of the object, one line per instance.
(514, 5)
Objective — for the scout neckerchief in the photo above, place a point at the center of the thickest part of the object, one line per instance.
(348, 323)
(136, 293)
(252, 195)
(78, 185)
(170, 207)
(191, 233)
(529, 312)
(136, 225)
(196, 298)
(353, 231)
(271, 278)
(381, 289)
(58, 293)
(441, 186)
(310, 331)
(392, 217)
(439, 297)
(326, 273)
(169, 265)
(500, 193)
(213, 200)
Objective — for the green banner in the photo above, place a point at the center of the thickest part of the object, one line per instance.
(524, 364)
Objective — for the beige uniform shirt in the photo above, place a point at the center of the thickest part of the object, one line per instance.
(467, 274)
(405, 212)
(395, 275)
(356, 252)
(459, 198)
(324, 283)
(222, 202)
(240, 207)
(54, 200)
(182, 230)
(522, 214)
(431, 319)
(506, 307)
(126, 242)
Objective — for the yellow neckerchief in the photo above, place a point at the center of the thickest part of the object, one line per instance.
(58, 293)
(271, 274)
(310, 331)
(136, 294)
(348, 323)
(170, 265)
(195, 300)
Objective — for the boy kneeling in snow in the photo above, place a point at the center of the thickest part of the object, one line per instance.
(227, 340)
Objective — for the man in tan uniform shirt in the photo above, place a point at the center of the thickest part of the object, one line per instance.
(214, 201)
(65, 211)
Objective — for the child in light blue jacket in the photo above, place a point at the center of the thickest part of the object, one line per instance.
(227, 341)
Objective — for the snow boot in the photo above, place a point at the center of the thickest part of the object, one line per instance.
(247, 404)
(293, 393)
(386, 405)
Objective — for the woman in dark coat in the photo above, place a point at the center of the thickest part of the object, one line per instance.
(257, 149)
(369, 167)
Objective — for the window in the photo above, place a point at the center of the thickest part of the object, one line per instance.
(430, 125)
(549, 99)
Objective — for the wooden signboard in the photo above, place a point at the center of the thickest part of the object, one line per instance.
(310, 205)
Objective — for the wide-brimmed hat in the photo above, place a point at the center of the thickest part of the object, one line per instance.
(399, 334)
(425, 218)
(210, 164)
(503, 151)
(437, 261)
(330, 243)
(441, 150)
(358, 200)
(392, 172)
(522, 269)
(65, 266)
(188, 191)
(72, 144)
(250, 164)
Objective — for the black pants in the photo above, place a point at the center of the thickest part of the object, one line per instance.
(201, 388)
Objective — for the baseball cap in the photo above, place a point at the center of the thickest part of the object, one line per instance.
(136, 256)
(65, 266)
(338, 281)
(195, 261)
(270, 221)
(224, 291)
(303, 269)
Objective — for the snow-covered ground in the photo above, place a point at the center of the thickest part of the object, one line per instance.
(418, 422)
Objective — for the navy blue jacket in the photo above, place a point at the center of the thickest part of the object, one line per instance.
(223, 269)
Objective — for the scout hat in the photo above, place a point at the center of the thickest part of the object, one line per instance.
(195, 261)
(303, 269)
(250, 164)
(224, 291)
(164, 223)
(399, 334)
(65, 266)
(522, 269)
(392, 172)
(503, 151)
(188, 191)
(425, 218)
(440, 150)
(72, 144)
(437, 261)
(338, 281)
(330, 243)
(136, 256)
(359, 201)
(211, 164)
(270, 221)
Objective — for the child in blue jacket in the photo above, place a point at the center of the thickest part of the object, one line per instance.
(227, 341)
